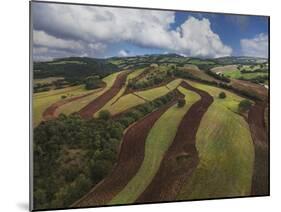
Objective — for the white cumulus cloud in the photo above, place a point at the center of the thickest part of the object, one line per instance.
(256, 47)
(41, 38)
(123, 53)
(196, 38)
(97, 28)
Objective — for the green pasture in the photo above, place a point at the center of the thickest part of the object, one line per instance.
(130, 100)
(66, 62)
(173, 84)
(226, 155)
(157, 143)
(135, 73)
(42, 100)
(200, 62)
(236, 74)
(77, 105)
(153, 93)
(124, 103)
(194, 71)
(47, 80)
(120, 103)
(231, 101)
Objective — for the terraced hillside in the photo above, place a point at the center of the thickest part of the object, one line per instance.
(160, 128)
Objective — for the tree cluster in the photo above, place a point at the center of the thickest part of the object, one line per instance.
(71, 154)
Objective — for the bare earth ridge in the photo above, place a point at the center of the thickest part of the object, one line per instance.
(129, 161)
(181, 158)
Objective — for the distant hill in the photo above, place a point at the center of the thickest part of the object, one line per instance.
(73, 67)
(240, 60)
(80, 67)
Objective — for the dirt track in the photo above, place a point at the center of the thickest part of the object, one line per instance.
(89, 110)
(49, 113)
(181, 158)
(129, 161)
(256, 122)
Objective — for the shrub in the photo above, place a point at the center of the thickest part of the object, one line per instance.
(135, 115)
(93, 82)
(104, 114)
(181, 102)
(244, 105)
(63, 97)
(126, 121)
(222, 95)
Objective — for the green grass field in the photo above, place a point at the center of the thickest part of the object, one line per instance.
(135, 73)
(193, 70)
(66, 62)
(226, 155)
(41, 101)
(158, 141)
(173, 84)
(47, 80)
(236, 74)
(124, 102)
(77, 105)
(231, 101)
(131, 100)
(199, 62)
(153, 93)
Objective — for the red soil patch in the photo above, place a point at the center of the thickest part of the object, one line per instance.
(254, 88)
(129, 161)
(129, 90)
(50, 112)
(89, 110)
(260, 180)
(135, 79)
(181, 159)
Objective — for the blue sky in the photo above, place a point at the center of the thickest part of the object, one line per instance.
(71, 30)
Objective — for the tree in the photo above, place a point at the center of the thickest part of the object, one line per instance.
(92, 82)
(244, 105)
(104, 114)
(222, 95)
(181, 102)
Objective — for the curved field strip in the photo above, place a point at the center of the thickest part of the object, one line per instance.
(129, 161)
(136, 73)
(158, 141)
(56, 92)
(47, 80)
(256, 89)
(231, 101)
(260, 184)
(133, 99)
(77, 105)
(99, 102)
(196, 72)
(123, 104)
(153, 93)
(173, 84)
(226, 157)
(224, 69)
(225, 151)
(42, 101)
(181, 158)
(50, 112)
(119, 103)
